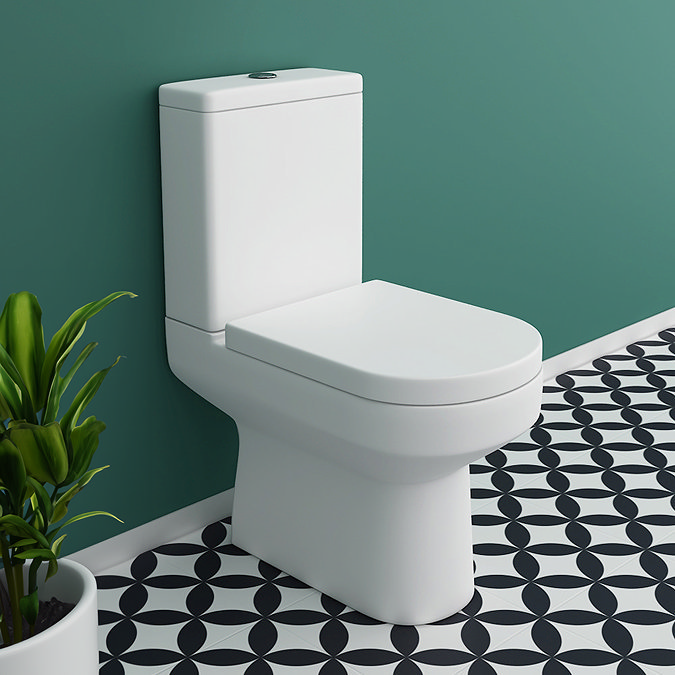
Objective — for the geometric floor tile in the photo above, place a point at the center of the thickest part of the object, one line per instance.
(574, 553)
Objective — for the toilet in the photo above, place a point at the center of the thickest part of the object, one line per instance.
(359, 405)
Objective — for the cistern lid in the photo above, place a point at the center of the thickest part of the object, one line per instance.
(390, 343)
(231, 92)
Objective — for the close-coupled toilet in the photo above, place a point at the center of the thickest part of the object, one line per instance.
(359, 406)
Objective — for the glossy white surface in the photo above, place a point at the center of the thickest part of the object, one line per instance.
(262, 209)
(394, 344)
(306, 447)
(71, 645)
(397, 552)
(261, 206)
(216, 94)
(384, 440)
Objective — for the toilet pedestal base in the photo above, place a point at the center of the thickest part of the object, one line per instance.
(399, 553)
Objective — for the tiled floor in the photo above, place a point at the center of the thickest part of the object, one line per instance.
(574, 547)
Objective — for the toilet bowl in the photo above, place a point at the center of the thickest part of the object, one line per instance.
(358, 405)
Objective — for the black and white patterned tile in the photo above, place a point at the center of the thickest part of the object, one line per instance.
(574, 550)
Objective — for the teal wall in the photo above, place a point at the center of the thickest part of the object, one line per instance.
(519, 154)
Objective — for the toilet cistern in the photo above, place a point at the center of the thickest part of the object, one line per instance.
(359, 406)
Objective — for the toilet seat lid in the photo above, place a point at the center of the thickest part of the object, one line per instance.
(390, 343)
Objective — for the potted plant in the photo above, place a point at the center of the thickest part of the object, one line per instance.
(44, 463)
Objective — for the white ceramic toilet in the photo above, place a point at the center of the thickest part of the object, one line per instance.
(358, 405)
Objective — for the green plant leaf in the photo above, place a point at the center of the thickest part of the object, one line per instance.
(29, 606)
(82, 516)
(61, 505)
(52, 569)
(5, 410)
(13, 388)
(22, 336)
(66, 337)
(56, 546)
(84, 441)
(82, 400)
(12, 472)
(43, 450)
(59, 384)
(17, 526)
(28, 493)
(42, 553)
(38, 521)
(40, 495)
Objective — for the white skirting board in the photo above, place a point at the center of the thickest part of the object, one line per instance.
(607, 344)
(128, 545)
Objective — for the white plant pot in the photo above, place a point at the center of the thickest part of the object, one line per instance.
(71, 645)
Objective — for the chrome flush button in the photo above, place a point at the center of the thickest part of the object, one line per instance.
(262, 76)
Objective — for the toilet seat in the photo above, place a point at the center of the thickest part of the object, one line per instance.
(393, 344)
